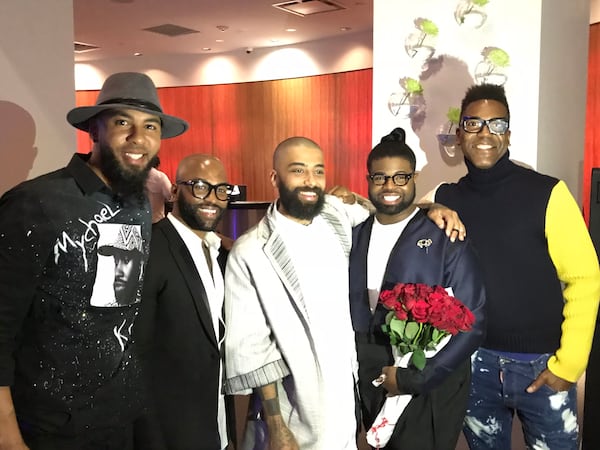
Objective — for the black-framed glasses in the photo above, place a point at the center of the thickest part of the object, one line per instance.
(497, 125)
(399, 179)
(202, 188)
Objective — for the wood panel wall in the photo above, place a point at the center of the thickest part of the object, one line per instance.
(242, 124)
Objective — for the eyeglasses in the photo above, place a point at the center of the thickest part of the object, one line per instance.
(399, 179)
(497, 125)
(201, 189)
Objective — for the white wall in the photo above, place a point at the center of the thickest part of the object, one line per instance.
(562, 91)
(594, 11)
(512, 25)
(36, 88)
(350, 52)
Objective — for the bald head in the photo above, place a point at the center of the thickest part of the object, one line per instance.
(200, 166)
(284, 147)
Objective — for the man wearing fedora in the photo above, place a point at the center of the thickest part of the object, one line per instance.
(69, 379)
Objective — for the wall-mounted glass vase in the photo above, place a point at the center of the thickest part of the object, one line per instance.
(469, 14)
(446, 137)
(400, 104)
(420, 46)
(486, 72)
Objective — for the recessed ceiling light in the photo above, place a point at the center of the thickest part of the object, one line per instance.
(307, 7)
(80, 47)
(291, 30)
(219, 40)
(138, 54)
(345, 28)
(275, 41)
(206, 49)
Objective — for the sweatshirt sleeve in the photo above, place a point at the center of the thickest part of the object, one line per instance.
(574, 257)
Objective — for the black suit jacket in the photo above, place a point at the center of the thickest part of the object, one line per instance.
(179, 348)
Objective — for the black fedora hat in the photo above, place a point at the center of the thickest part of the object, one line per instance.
(131, 90)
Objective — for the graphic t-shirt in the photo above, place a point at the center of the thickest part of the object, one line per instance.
(72, 260)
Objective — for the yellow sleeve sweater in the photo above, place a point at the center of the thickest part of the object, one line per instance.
(574, 257)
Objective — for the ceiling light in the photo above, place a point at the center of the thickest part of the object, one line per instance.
(206, 49)
(138, 54)
(219, 40)
(345, 28)
(291, 30)
(81, 47)
(307, 7)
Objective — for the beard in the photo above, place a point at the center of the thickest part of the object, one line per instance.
(193, 220)
(391, 210)
(128, 185)
(295, 207)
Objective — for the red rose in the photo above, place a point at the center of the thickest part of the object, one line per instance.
(423, 290)
(405, 289)
(409, 302)
(420, 311)
(466, 319)
(401, 314)
(388, 299)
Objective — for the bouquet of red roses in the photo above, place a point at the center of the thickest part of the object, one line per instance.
(420, 317)
(420, 322)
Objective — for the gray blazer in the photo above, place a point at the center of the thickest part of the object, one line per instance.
(268, 336)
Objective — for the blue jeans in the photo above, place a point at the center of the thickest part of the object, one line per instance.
(498, 386)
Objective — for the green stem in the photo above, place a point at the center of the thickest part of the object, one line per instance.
(418, 335)
(468, 11)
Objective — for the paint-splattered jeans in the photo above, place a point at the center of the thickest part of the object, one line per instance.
(498, 391)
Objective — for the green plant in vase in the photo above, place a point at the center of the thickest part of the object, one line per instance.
(421, 43)
(411, 88)
(471, 13)
(402, 103)
(492, 69)
(453, 116)
(447, 132)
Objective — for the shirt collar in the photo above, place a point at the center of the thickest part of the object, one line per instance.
(211, 238)
(83, 174)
